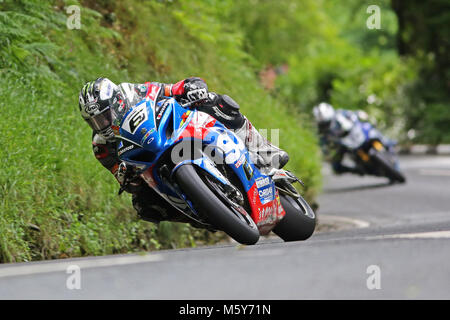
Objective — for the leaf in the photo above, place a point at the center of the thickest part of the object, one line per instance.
(20, 53)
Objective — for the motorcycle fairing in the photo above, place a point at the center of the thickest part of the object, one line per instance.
(156, 127)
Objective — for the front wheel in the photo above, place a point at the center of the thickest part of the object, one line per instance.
(299, 222)
(388, 167)
(212, 205)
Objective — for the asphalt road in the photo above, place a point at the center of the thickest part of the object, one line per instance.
(395, 245)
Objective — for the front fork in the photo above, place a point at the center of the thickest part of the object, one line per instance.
(283, 182)
(378, 147)
(365, 157)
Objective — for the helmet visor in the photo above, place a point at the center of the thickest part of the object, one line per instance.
(101, 121)
(324, 126)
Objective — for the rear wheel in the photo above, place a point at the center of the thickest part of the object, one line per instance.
(299, 222)
(212, 203)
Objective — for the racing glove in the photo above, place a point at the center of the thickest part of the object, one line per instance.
(128, 179)
(188, 90)
(195, 89)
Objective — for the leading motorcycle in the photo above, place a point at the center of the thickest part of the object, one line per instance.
(204, 171)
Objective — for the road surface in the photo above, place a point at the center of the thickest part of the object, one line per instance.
(395, 245)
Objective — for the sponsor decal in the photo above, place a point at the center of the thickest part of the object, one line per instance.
(184, 117)
(253, 195)
(240, 161)
(266, 193)
(163, 108)
(262, 182)
(266, 214)
(150, 140)
(125, 150)
(145, 137)
(90, 108)
(153, 92)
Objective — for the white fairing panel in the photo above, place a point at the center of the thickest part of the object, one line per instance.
(355, 138)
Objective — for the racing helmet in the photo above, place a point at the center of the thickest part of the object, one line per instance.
(324, 113)
(96, 102)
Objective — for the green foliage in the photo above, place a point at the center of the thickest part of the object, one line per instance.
(333, 56)
(353, 67)
(275, 30)
(424, 38)
(56, 200)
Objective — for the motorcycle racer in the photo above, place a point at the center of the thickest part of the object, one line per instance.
(102, 101)
(334, 125)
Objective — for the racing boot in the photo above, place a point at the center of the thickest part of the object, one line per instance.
(263, 154)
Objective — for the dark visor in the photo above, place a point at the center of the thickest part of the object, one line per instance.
(324, 126)
(101, 121)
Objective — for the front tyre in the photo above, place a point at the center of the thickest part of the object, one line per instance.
(388, 167)
(217, 212)
(298, 223)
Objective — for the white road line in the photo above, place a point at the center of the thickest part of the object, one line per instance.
(420, 235)
(61, 266)
(435, 172)
(356, 222)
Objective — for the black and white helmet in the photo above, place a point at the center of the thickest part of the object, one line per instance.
(95, 103)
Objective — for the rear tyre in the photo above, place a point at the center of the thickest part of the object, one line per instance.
(215, 210)
(298, 223)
